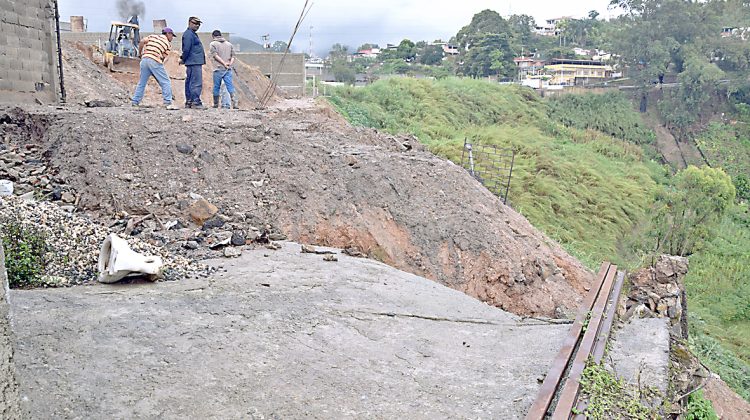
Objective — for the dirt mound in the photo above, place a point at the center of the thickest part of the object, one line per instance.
(299, 172)
(86, 80)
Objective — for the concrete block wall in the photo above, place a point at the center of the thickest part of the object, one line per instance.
(290, 76)
(28, 51)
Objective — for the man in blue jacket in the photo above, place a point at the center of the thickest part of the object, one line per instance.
(193, 57)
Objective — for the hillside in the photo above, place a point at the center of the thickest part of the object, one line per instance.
(589, 172)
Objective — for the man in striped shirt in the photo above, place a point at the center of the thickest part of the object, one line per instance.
(153, 50)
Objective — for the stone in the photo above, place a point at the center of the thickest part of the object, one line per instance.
(185, 149)
(206, 157)
(191, 245)
(67, 197)
(308, 249)
(330, 258)
(232, 252)
(127, 177)
(277, 237)
(220, 239)
(238, 238)
(201, 210)
(213, 223)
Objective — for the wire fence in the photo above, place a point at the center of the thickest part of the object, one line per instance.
(490, 165)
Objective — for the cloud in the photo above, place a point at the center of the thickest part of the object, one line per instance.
(346, 22)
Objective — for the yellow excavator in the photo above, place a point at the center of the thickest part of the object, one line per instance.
(121, 52)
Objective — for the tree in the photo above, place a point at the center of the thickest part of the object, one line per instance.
(690, 209)
(483, 23)
(490, 55)
(338, 52)
(406, 50)
(279, 46)
(431, 55)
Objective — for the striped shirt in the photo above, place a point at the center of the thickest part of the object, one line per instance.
(156, 48)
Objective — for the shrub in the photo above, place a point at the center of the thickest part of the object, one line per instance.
(699, 408)
(25, 247)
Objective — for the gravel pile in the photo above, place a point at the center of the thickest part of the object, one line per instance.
(74, 243)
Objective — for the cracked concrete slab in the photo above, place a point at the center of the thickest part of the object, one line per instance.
(640, 352)
(277, 334)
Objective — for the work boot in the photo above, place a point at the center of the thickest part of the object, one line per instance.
(198, 106)
(235, 101)
(216, 101)
(171, 107)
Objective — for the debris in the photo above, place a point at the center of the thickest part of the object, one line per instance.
(220, 239)
(309, 249)
(273, 246)
(185, 149)
(231, 252)
(330, 258)
(6, 187)
(352, 252)
(238, 238)
(191, 245)
(100, 103)
(201, 210)
(117, 261)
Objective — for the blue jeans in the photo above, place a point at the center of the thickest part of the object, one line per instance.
(194, 84)
(149, 67)
(226, 76)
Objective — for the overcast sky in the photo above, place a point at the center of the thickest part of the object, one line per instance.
(351, 23)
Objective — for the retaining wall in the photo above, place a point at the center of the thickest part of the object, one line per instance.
(290, 76)
(28, 52)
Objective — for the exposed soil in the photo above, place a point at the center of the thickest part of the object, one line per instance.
(299, 170)
(727, 404)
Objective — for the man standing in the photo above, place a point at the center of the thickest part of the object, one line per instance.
(222, 58)
(193, 57)
(153, 50)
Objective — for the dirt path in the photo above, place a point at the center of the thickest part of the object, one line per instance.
(278, 335)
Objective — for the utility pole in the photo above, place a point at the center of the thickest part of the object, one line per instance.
(311, 42)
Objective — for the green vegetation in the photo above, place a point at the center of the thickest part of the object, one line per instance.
(699, 408)
(611, 398)
(24, 248)
(583, 188)
(581, 176)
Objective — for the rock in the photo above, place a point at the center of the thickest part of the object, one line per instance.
(201, 210)
(330, 258)
(257, 184)
(277, 237)
(206, 157)
(68, 197)
(352, 252)
(127, 177)
(220, 239)
(195, 196)
(185, 149)
(308, 249)
(100, 103)
(238, 238)
(231, 252)
(213, 223)
(191, 245)
(274, 246)
(56, 194)
(187, 118)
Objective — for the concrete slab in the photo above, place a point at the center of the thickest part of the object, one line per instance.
(286, 335)
(640, 352)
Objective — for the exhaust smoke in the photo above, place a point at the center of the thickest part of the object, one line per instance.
(128, 8)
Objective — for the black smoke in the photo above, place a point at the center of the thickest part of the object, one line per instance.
(128, 8)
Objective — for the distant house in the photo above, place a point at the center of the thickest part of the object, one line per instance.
(450, 49)
(369, 53)
(577, 72)
(528, 66)
(735, 32)
(551, 26)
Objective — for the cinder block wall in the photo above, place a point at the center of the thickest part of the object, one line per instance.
(290, 76)
(28, 51)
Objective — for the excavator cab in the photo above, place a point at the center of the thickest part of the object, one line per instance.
(121, 52)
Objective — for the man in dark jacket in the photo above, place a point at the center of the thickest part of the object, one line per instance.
(193, 57)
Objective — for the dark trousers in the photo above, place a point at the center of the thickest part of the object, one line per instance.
(194, 85)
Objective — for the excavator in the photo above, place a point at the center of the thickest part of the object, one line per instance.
(121, 51)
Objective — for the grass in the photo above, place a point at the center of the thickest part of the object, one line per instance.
(582, 178)
(582, 188)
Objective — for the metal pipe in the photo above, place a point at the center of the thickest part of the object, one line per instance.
(63, 95)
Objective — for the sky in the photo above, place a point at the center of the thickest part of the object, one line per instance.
(329, 21)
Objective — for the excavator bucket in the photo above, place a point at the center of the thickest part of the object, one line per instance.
(122, 64)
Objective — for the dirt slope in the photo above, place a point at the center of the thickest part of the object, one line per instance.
(303, 171)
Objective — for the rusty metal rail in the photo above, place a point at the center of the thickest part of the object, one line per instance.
(587, 336)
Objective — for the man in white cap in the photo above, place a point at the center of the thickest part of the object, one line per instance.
(153, 50)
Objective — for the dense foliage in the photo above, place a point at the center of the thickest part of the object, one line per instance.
(25, 248)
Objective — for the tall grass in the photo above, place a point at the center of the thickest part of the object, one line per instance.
(583, 188)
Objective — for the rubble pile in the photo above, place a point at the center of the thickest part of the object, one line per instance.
(659, 292)
(74, 243)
